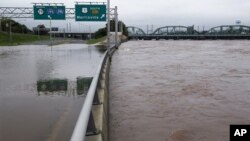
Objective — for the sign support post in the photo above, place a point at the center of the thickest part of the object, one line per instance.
(116, 27)
(108, 28)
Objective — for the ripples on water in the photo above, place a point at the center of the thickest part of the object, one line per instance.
(42, 89)
(179, 90)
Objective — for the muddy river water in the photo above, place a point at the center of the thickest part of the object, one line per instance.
(28, 114)
(179, 90)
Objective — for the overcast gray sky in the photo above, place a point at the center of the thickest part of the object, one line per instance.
(206, 13)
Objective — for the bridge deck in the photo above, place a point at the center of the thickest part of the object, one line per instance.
(179, 90)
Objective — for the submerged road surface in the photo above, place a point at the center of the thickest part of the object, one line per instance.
(179, 90)
(33, 112)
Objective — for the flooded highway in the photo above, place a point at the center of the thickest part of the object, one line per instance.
(40, 99)
(179, 90)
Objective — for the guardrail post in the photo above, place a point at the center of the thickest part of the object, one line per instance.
(91, 129)
(96, 100)
(93, 120)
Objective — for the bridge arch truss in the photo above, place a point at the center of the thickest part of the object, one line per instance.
(175, 30)
(135, 31)
(229, 30)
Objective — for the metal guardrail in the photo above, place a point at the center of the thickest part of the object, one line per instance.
(85, 118)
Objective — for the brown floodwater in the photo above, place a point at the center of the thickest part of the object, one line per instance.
(27, 114)
(179, 90)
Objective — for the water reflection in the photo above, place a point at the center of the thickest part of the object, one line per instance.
(39, 92)
(83, 84)
(52, 85)
(62, 86)
(101, 48)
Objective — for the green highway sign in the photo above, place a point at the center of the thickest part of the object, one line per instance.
(47, 12)
(90, 12)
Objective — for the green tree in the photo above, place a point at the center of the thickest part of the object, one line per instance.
(100, 33)
(41, 30)
(103, 31)
(15, 26)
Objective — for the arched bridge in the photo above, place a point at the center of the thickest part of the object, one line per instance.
(188, 32)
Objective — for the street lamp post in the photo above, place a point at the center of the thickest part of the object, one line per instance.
(50, 38)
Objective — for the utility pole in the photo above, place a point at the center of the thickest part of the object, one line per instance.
(90, 34)
(79, 28)
(116, 27)
(108, 28)
(69, 27)
(64, 33)
(152, 28)
(147, 28)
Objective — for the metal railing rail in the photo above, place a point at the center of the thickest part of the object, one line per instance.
(79, 133)
(83, 119)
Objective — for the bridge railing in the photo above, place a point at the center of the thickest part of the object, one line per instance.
(234, 30)
(93, 118)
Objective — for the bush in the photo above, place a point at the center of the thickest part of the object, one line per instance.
(101, 32)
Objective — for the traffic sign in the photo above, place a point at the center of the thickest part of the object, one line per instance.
(85, 12)
(47, 12)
